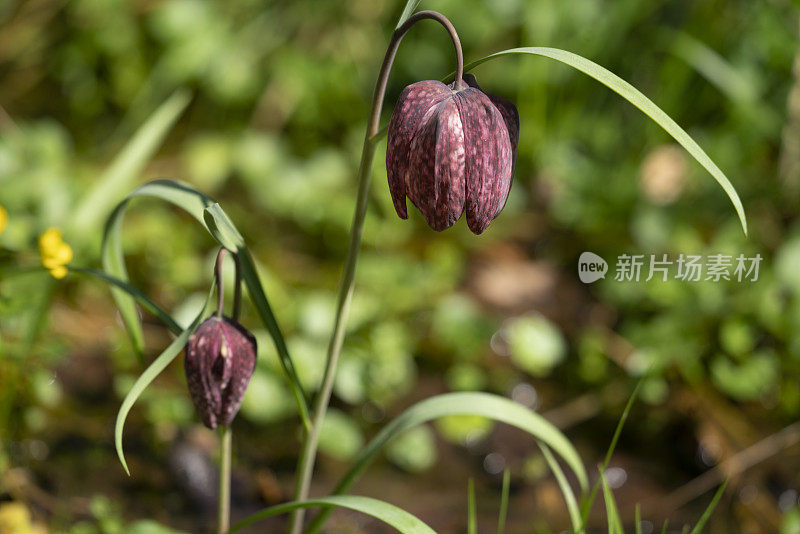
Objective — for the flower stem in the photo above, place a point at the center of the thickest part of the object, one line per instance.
(308, 454)
(237, 285)
(224, 502)
(218, 275)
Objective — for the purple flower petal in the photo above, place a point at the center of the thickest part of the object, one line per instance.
(436, 172)
(511, 119)
(488, 157)
(414, 102)
(220, 359)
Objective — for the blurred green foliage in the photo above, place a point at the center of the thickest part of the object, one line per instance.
(280, 96)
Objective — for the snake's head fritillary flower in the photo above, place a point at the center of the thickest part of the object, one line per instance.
(220, 359)
(451, 148)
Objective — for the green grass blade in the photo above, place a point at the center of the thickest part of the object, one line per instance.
(698, 528)
(123, 170)
(144, 380)
(462, 403)
(256, 292)
(113, 259)
(588, 502)
(388, 513)
(501, 519)
(635, 97)
(222, 228)
(134, 292)
(411, 6)
(714, 68)
(219, 225)
(637, 518)
(472, 513)
(612, 513)
(566, 490)
(664, 526)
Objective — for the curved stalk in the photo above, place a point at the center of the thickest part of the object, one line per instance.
(311, 442)
(218, 275)
(237, 285)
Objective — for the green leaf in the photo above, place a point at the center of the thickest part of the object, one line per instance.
(698, 528)
(637, 518)
(587, 504)
(714, 68)
(566, 490)
(612, 513)
(411, 6)
(388, 513)
(124, 169)
(501, 519)
(462, 403)
(472, 513)
(183, 196)
(635, 97)
(256, 291)
(134, 292)
(220, 226)
(158, 365)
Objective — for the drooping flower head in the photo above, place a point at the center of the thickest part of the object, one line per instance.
(220, 359)
(451, 148)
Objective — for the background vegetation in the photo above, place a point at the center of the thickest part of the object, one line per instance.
(270, 101)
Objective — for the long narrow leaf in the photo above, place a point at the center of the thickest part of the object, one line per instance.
(144, 380)
(637, 518)
(256, 291)
(698, 528)
(134, 292)
(123, 170)
(587, 504)
(612, 513)
(461, 403)
(501, 519)
(635, 97)
(714, 68)
(566, 490)
(219, 225)
(185, 197)
(472, 512)
(388, 513)
(222, 228)
(411, 6)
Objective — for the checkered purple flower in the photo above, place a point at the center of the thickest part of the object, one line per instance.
(451, 149)
(220, 359)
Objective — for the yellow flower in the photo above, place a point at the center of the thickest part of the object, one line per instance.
(55, 253)
(3, 219)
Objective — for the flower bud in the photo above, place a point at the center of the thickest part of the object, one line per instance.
(220, 359)
(451, 148)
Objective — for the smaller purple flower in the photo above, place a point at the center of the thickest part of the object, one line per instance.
(451, 148)
(220, 359)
